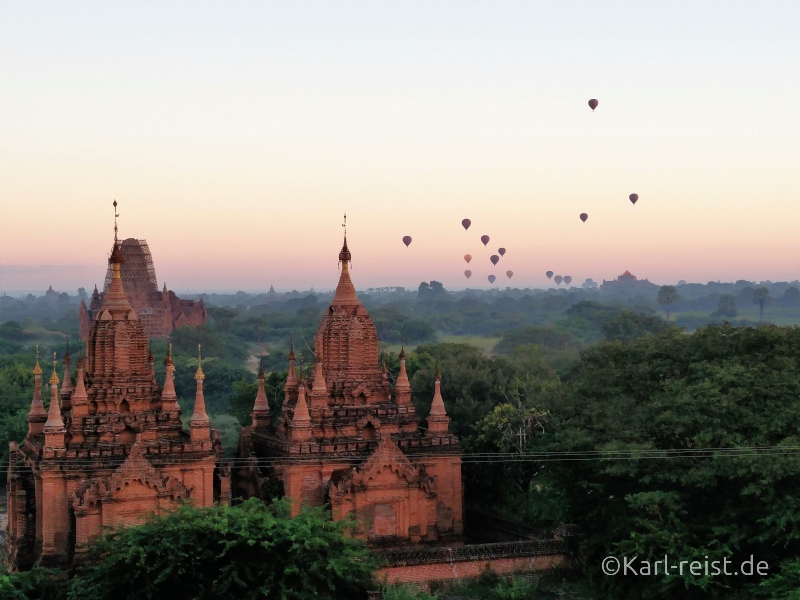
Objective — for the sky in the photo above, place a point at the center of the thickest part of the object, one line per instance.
(235, 135)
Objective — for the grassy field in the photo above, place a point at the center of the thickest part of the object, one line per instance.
(484, 343)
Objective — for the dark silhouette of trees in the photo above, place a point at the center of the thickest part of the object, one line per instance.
(761, 297)
(667, 297)
(726, 306)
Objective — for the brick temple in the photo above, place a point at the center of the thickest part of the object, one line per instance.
(346, 438)
(111, 449)
(160, 312)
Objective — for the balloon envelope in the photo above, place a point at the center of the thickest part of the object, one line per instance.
(584, 216)
(559, 279)
(633, 198)
(407, 240)
(593, 104)
(468, 273)
(509, 274)
(567, 279)
(466, 223)
(485, 239)
(494, 258)
(468, 257)
(501, 251)
(549, 274)
(492, 278)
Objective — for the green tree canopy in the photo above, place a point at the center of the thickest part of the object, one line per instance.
(666, 414)
(250, 551)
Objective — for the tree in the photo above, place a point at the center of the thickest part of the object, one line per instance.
(664, 424)
(726, 306)
(761, 297)
(430, 291)
(470, 382)
(791, 297)
(243, 552)
(36, 584)
(667, 297)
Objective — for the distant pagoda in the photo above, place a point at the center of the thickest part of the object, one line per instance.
(160, 312)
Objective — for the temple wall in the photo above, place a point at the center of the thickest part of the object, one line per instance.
(422, 575)
(449, 510)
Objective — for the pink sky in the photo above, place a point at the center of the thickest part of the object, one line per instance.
(235, 141)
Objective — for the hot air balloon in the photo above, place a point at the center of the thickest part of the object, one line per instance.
(407, 240)
(593, 104)
(549, 274)
(485, 239)
(468, 257)
(492, 278)
(567, 279)
(584, 216)
(468, 273)
(559, 279)
(494, 258)
(509, 274)
(466, 223)
(633, 198)
(501, 251)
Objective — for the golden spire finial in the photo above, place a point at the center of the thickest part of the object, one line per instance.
(199, 375)
(37, 370)
(168, 358)
(54, 377)
(344, 255)
(115, 222)
(116, 257)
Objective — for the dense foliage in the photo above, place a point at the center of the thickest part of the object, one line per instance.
(573, 371)
(665, 412)
(249, 551)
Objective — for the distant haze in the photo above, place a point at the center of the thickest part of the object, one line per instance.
(234, 136)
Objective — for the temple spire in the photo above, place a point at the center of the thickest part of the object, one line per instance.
(66, 387)
(402, 386)
(37, 414)
(301, 420)
(261, 407)
(55, 424)
(320, 388)
(199, 413)
(114, 299)
(79, 399)
(437, 419)
(345, 290)
(199, 423)
(169, 399)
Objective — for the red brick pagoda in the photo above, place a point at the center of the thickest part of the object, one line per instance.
(347, 439)
(113, 452)
(160, 312)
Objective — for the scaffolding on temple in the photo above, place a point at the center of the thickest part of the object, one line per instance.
(138, 272)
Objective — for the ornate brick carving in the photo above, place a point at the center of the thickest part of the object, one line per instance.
(347, 437)
(114, 453)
